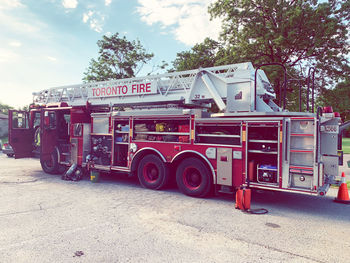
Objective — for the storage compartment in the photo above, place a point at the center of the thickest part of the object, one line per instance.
(101, 149)
(218, 134)
(258, 163)
(301, 179)
(121, 155)
(263, 151)
(121, 142)
(162, 130)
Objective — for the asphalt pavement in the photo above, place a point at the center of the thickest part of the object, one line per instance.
(45, 219)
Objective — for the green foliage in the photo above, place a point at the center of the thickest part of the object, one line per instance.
(4, 139)
(346, 145)
(297, 34)
(294, 33)
(201, 55)
(339, 99)
(4, 108)
(288, 32)
(118, 58)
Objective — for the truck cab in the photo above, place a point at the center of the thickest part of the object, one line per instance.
(49, 132)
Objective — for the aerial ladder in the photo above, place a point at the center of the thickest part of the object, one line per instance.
(233, 88)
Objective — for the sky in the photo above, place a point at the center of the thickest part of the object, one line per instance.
(49, 43)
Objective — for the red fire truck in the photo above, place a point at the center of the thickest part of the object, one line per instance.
(159, 127)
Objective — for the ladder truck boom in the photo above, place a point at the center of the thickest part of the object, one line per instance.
(230, 87)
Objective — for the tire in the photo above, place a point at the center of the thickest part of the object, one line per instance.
(50, 166)
(194, 178)
(152, 172)
(10, 155)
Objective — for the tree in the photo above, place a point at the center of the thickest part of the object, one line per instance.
(288, 32)
(296, 33)
(201, 55)
(339, 99)
(4, 108)
(118, 58)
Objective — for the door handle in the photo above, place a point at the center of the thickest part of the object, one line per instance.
(223, 158)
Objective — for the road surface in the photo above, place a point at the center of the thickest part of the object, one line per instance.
(45, 219)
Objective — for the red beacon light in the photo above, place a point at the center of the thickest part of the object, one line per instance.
(328, 109)
(327, 112)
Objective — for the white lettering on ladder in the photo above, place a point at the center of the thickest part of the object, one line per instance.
(123, 90)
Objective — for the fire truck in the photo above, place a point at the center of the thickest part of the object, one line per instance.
(159, 129)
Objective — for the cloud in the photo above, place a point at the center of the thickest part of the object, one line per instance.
(108, 2)
(10, 4)
(7, 55)
(51, 58)
(70, 4)
(87, 16)
(11, 21)
(15, 44)
(95, 20)
(188, 20)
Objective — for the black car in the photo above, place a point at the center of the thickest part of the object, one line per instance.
(7, 149)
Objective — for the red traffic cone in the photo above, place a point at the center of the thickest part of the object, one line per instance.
(343, 193)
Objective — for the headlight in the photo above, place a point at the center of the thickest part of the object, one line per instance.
(133, 147)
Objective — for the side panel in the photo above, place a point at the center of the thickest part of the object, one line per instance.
(21, 135)
(80, 120)
(224, 166)
(74, 150)
(80, 143)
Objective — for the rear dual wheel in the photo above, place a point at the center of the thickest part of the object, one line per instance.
(194, 178)
(153, 172)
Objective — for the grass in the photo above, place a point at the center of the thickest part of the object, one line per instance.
(4, 139)
(346, 145)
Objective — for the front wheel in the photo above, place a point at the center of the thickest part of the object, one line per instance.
(51, 165)
(193, 178)
(152, 172)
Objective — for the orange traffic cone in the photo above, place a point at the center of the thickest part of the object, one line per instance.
(343, 193)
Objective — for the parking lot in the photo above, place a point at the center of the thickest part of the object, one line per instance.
(46, 219)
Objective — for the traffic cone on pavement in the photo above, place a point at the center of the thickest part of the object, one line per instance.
(343, 193)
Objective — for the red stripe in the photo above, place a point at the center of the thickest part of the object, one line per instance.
(301, 134)
(302, 118)
(298, 167)
(300, 151)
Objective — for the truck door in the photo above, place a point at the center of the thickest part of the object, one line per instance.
(21, 135)
(48, 133)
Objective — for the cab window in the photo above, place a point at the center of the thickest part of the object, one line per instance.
(19, 120)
